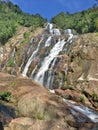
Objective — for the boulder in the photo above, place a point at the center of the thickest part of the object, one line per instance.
(25, 123)
(35, 107)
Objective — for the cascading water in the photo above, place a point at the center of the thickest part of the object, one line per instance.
(91, 114)
(53, 53)
(31, 59)
(48, 42)
(13, 55)
(44, 76)
(50, 76)
(44, 72)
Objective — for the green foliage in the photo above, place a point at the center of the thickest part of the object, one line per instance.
(82, 22)
(26, 34)
(6, 96)
(82, 100)
(96, 23)
(12, 16)
(94, 96)
(12, 84)
(10, 63)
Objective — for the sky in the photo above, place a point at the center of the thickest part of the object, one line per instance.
(50, 8)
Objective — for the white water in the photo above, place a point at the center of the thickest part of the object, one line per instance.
(48, 42)
(50, 76)
(31, 59)
(52, 30)
(49, 28)
(13, 53)
(70, 36)
(40, 76)
(13, 56)
(56, 31)
(45, 65)
(83, 110)
(33, 71)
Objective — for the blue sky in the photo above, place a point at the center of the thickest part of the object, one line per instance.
(49, 8)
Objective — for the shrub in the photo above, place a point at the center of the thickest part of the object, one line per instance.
(6, 96)
(82, 100)
(10, 63)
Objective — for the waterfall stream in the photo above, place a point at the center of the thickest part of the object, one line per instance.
(43, 71)
(31, 58)
(53, 53)
(57, 47)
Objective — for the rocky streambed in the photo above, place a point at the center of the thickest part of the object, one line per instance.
(32, 107)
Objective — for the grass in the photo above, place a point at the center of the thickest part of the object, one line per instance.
(10, 63)
(82, 100)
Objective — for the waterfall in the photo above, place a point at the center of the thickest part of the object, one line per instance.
(70, 35)
(53, 53)
(13, 55)
(31, 58)
(43, 77)
(48, 42)
(52, 30)
(90, 113)
(50, 76)
(48, 49)
(53, 45)
(49, 28)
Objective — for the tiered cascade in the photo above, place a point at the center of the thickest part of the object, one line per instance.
(48, 52)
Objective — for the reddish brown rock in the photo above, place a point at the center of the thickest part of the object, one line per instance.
(72, 95)
(84, 62)
(35, 102)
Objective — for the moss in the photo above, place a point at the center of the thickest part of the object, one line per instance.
(10, 63)
(81, 99)
(97, 34)
(12, 84)
(94, 96)
(60, 75)
(26, 35)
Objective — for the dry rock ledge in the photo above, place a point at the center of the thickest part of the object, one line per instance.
(35, 108)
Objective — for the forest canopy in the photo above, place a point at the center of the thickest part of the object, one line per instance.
(83, 22)
(11, 16)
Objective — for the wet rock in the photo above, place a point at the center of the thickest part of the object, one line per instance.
(68, 94)
(72, 95)
(86, 126)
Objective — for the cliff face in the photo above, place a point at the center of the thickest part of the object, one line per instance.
(75, 67)
(72, 72)
(84, 63)
(31, 106)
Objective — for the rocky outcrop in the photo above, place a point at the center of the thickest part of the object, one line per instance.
(73, 73)
(84, 63)
(25, 123)
(35, 107)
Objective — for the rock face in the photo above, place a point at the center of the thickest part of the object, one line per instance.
(75, 75)
(84, 63)
(35, 106)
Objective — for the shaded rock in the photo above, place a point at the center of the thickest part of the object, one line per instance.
(1, 126)
(68, 94)
(72, 95)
